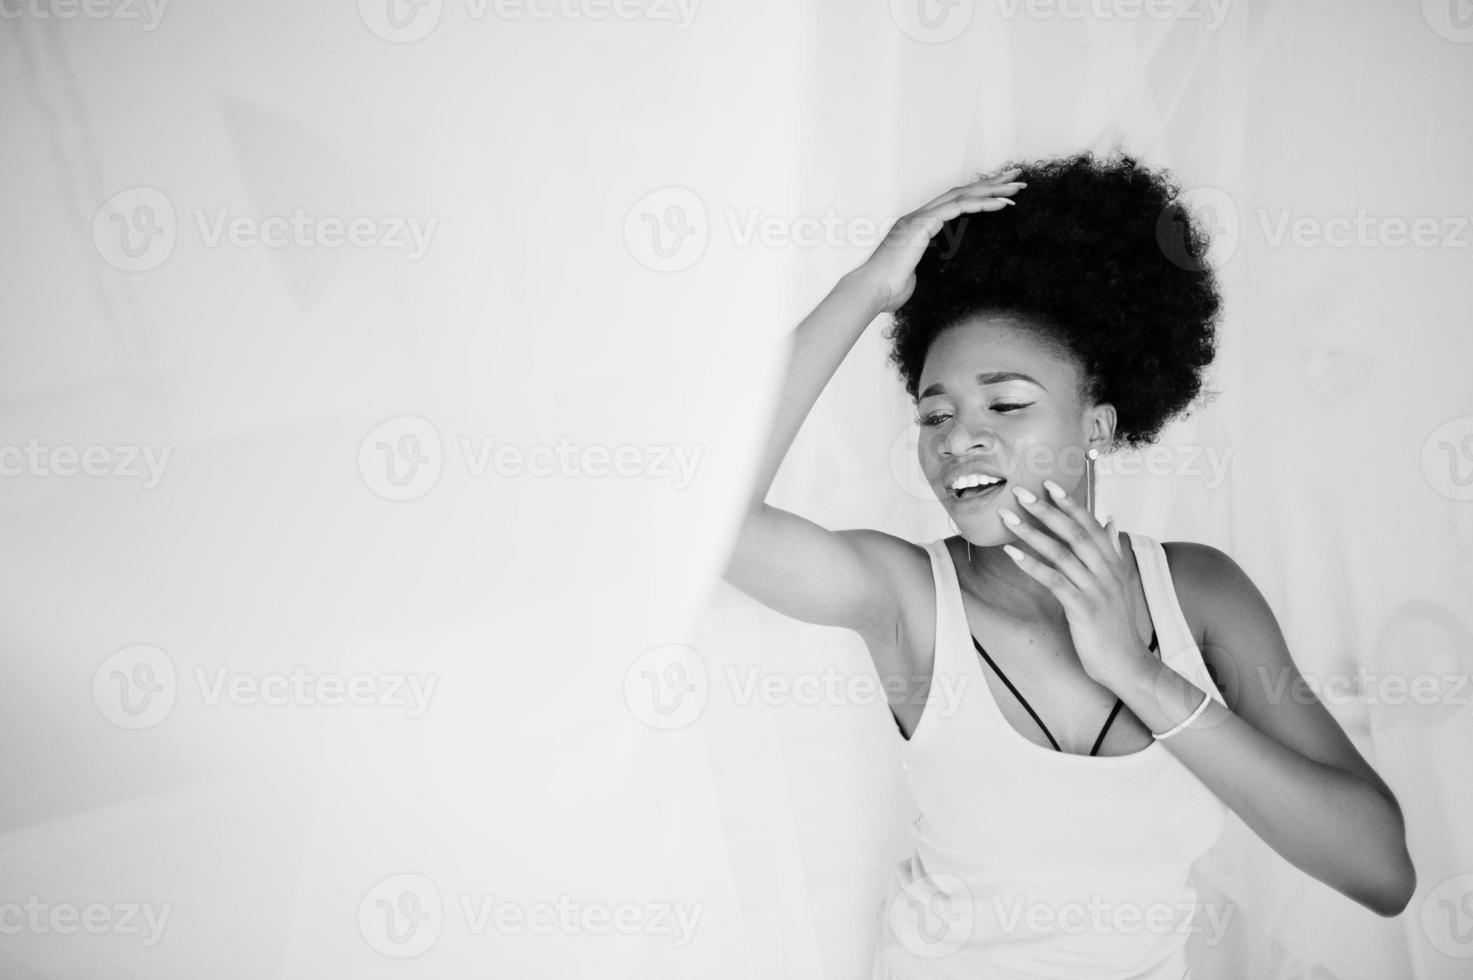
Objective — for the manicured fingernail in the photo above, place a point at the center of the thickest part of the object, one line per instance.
(1054, 488)
(1008, 516)
(1013, 553)
(1025, 495)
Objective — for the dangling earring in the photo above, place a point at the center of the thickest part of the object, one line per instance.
(962, 536)
(1089, 480)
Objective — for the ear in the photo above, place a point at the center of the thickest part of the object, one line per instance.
(1100, 421)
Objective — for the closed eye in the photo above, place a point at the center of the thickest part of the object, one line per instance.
(936, 418)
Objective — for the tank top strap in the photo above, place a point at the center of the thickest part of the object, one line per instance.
(951, 617)
(1178, 646)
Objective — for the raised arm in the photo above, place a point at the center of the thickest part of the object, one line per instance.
(789, 563)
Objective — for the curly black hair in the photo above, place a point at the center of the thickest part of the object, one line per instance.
(1103, 257)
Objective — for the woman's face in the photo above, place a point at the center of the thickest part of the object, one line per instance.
(994, 399)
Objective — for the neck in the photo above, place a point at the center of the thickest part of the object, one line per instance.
(1004, 584)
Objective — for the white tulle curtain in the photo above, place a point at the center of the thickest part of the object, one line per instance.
(1330, 465)
(624, 209)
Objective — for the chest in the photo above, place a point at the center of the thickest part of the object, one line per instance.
(1038, 686)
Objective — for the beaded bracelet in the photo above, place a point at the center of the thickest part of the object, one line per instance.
(1186, 721)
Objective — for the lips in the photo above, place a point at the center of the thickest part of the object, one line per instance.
(976, 498)
(953, 478)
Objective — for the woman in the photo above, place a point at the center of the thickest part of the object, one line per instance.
(1116, 694)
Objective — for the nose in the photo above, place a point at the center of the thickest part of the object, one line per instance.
(964, 438)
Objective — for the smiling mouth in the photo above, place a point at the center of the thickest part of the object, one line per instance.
(977, 493)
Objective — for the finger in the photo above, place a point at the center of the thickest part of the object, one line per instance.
(921, 227)
(933, 218)
(1075, 508)
(1057, 552)
(1008, 186)
(1060, 586)
(1093, 544)
(1001, 177)
(1008, 189)
(1066, 518)
(1113, 533)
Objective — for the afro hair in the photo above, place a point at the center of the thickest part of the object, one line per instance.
(1104, 258)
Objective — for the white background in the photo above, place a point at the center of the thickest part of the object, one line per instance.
(547, 150)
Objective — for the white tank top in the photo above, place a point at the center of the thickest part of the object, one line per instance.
(1029, 863)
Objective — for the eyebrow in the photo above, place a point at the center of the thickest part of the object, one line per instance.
(986, 378)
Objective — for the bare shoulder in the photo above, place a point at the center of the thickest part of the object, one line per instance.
(1206, 578)
(903, 645)
(905, 564)
(1212, 589)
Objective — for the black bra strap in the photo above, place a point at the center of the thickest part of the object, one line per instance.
(1020, 697)
(1099, 739)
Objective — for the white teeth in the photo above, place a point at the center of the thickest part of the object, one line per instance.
(974, 480)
